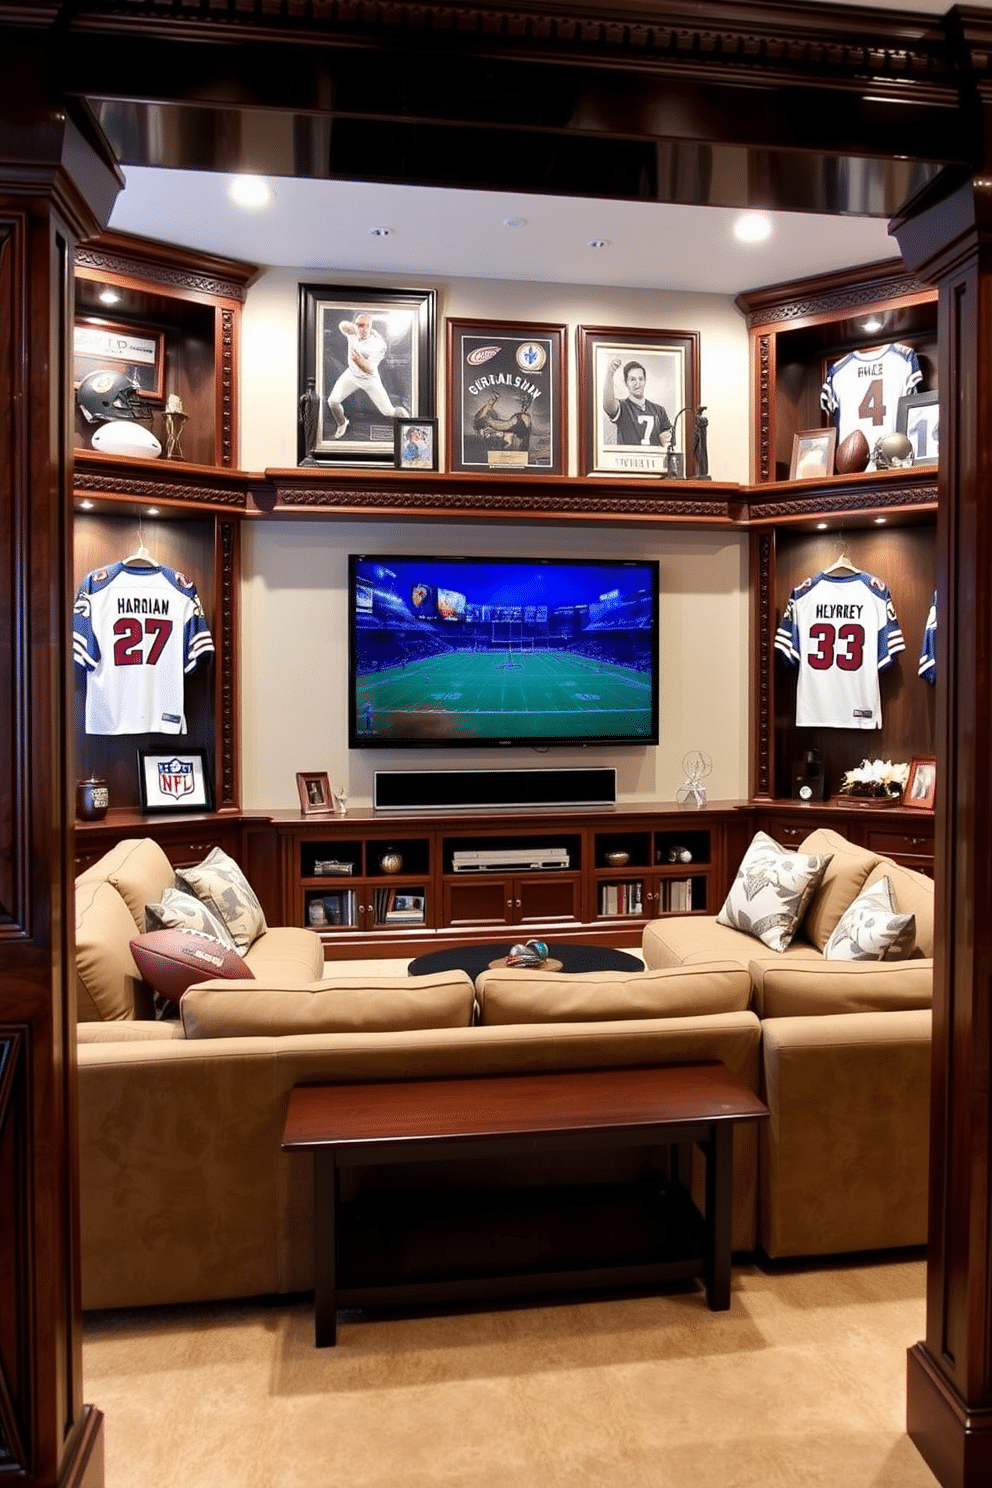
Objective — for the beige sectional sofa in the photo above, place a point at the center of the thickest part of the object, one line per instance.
(845, 1054)
(185, 1195)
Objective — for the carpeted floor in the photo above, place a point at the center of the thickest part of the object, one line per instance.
(801, 1384)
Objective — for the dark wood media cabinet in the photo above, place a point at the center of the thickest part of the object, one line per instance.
(392, 884)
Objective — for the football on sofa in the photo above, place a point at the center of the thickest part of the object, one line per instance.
(838, 943)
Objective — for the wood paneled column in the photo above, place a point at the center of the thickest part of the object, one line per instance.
(57, 184)
(949, 1409)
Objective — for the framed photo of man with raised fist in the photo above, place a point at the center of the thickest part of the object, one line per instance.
(638, 402)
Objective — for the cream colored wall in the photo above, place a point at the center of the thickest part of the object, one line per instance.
(294, 613)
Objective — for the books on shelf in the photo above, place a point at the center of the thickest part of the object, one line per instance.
(678, 895)
(398, 907)
(331, 910)
(621, 898)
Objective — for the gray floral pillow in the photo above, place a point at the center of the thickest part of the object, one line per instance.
(177, 910)
(871, 928)
(771, 891)
(219, 884)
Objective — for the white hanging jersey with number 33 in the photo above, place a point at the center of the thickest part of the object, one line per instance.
(841, 631)
(137, 631)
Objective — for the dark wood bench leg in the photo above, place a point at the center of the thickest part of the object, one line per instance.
(719, 1190)
(325, 1180)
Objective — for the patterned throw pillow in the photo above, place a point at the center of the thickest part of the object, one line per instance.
(178, 910)
(771, 891)
(219, 884)
(871, 928)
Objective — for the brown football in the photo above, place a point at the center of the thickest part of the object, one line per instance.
(172, 960)
(852, 453)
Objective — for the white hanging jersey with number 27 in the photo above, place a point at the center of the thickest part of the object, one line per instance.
(863, 389)
(841, 630)
(137, 631)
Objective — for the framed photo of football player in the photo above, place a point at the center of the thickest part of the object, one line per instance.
(110, 346)
(918, 417)
(416, 444)
(506, 397)
(813, 454)
(638, 402)
(174, 780)
(316, 796)
(367, 358)
(921, 783)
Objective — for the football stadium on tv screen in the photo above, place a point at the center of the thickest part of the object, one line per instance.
(462, 651)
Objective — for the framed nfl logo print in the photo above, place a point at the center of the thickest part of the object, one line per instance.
(506, 397)
(173, 780)
(639, 403)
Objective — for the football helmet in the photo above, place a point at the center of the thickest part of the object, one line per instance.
(104, 395)
(892, 451)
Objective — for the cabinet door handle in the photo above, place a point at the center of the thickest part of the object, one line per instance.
(518, 903)
(509, 903)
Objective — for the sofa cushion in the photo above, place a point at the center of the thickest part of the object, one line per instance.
(177, 910)
(347, 1004)
(223, 888)
(286, 956)
(172, 960)
(138, 869)
(870, 928)
(842, 881)
(108, 986)
(768, 898)
(519, 996)
(913, 895)
(789, 989)
(693, 940)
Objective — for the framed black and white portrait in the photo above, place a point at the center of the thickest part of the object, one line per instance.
(367, 358)
(638, 392)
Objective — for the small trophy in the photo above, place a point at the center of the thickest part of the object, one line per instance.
(697, 766)
(175, 420)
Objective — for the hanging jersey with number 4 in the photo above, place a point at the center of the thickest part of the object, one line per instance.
(841, 630)
(137, 631)
(863, 389)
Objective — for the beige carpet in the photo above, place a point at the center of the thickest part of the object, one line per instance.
(801, 1384)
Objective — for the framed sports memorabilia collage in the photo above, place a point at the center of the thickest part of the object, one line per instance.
(368, 373)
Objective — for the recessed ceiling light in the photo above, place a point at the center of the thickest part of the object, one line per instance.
(871, 325)
(86, 505)
(250, 191)
(152, 511)
(108, 296)
(880, 521)
(598, 243)
(753, 227)
(514, 221)
(821, 526)
(380, 232)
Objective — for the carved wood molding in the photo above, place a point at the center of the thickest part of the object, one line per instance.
(824, 502)
(766, 624)
(558, 502)
(794, 302)
(88, 482)
(172, 276)
(731, 37)
(228, 652)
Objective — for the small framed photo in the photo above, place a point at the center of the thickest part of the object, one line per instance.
(506, 397)
(416, 444)
(638, 396)
(921, 783)
(813, 454)
(366, 359)
(316, 796)
(174, 780)
(110, 346)
(918, 417)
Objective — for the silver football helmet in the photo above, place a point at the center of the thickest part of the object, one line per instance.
(891, 452)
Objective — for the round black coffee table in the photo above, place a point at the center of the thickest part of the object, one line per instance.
(475, 959)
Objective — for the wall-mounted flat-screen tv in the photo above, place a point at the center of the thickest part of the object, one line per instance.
(507, 651)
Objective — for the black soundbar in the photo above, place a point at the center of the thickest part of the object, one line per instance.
(407, 790)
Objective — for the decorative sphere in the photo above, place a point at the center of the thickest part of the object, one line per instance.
(391, 862)
(618, 859)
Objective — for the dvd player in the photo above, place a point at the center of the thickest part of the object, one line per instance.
(488, 859)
